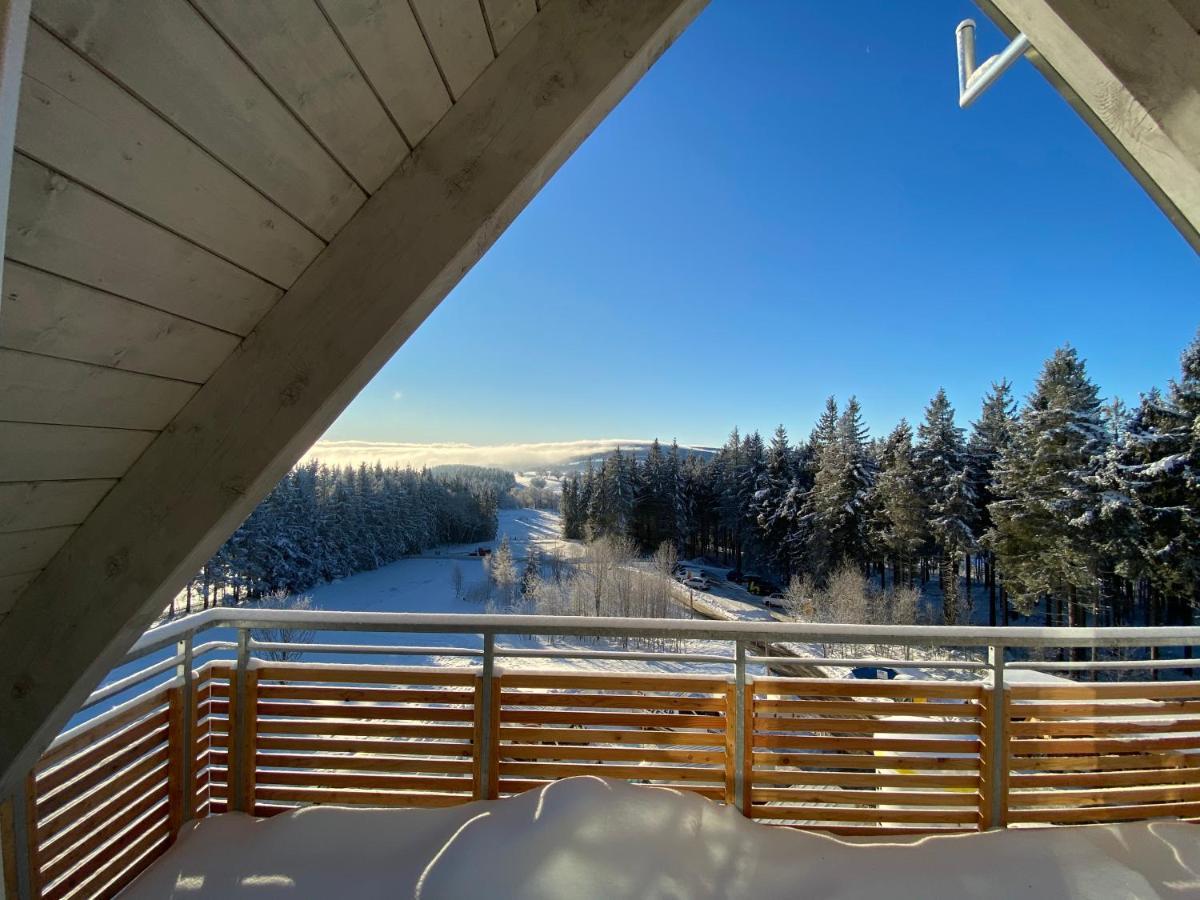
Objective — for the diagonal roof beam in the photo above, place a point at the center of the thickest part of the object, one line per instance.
(341, 321)
(1132, 72)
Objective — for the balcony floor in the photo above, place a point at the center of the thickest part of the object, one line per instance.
(588, 837)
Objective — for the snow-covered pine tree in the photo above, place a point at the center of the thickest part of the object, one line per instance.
(1047, 512)
(940, 462)
(774, 519)
(991, 435)
(899, 511)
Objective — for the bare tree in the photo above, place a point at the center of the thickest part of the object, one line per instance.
(456, 579)
(284, 633)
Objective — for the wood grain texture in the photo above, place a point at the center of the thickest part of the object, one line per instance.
(507, 17)
(387, 44)
(44, 504)
(59, 452)
(28, 551)
(292, 47)
(164, 52)
(55, 391)
(56, 225)
(79, 122)
(42, 313)
(457, 33)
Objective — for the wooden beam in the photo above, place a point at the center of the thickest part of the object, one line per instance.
(14, 30)
(321, 343)
(1132, 72)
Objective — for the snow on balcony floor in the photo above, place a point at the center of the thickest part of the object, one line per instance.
(590, 837)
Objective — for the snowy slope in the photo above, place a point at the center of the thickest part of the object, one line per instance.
(591, 838)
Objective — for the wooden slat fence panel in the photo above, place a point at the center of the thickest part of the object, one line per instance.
(1103, 752)
(911, 759)
(659, 730)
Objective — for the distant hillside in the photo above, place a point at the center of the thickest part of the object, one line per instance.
(637, 449)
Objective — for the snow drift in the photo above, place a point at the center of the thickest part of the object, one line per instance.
(594, 838)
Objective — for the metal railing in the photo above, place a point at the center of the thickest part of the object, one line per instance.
(196, 681)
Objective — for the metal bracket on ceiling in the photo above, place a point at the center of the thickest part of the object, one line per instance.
(972, 80)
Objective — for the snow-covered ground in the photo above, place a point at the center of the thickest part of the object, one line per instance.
(593, 838)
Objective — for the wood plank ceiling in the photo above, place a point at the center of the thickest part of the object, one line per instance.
(178, 165)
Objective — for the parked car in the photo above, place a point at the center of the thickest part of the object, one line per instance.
(761, 586)
(698, 583)
(481, 551)
(775, 601)
(734, 575)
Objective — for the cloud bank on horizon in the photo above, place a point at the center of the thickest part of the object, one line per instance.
(517, 457)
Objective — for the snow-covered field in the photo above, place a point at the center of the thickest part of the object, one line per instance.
(595, 838)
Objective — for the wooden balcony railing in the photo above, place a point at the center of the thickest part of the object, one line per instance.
(849, 756)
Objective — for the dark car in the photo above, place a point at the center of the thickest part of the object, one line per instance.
(734, 575)
(761, 586)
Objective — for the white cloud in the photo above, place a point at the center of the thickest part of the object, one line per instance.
(505, 456)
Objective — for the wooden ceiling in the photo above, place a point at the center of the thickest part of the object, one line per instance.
(178, 165)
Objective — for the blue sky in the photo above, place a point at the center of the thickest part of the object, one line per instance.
(791, 204)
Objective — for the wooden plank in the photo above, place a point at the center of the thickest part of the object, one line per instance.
(386, 42)
(1125, 778)
(1105, 813)
(294, 50)
(362, 695)
(272, 709)
(824, 687)
(867, 761)
(344, 318)
(53, 391)
(844, 814)
(613, 701)
(151, 806)
(458, 36)
(360, 797)
(889, 726)
(363, 746)
(506, 17)
(170, 58)
(614, 736)
(148, 708)
(372, 781)
(1035, 747)
(14, 34)
(79, 122)
(866, 779)
(90, 881)
(352, 728)
(730, 747)
(867, 745)
(1106, 763)
(177, 792)
(747, 748)
(56, 225)
(363, 675)
(25, 551)
(1102, 728)
(148, 753)
(510, 786)
(869, 708)
(1124, 690)
(33, 852)
(8, 849)
(66, 828)
(614, 754)
(578, 682)
(633, 773)
(1044, 711)
(491, 740)
(11, 587)
(30, 452)
(152, 728)
(26, 505)
(609, 719)
(1113, 796)
(387, 764)
(45, 314)
(865, 798)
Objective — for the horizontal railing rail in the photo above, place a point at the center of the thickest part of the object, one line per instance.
(214, 712)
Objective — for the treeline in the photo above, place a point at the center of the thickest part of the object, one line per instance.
(322, 523)
(1088, 512)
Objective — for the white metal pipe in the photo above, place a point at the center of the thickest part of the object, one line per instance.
(972, 80)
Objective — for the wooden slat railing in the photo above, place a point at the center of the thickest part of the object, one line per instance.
(846, 756)
(1103, 752)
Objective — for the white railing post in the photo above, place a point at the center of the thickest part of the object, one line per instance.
(487, 693)
(739, 727)
(187, 684)
(241, 714)
(996, 749)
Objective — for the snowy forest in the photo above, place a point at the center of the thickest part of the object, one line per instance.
(322, 523)
(1062, 507)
